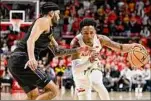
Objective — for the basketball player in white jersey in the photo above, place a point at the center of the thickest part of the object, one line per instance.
(86, 72)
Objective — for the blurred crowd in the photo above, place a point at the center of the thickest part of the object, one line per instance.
(120, 18)
(130, 19)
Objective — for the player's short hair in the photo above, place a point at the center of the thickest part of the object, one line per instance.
(87, 22)
(47, 7)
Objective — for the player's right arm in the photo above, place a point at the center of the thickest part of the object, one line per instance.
(77, 63)
(39, 27)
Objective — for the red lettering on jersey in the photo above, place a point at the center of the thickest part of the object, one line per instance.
(86, 54)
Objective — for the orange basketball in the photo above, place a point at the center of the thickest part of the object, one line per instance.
(138, 56)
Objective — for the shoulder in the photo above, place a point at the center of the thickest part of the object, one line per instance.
(103, 39)
(42, 22)
(101, 36)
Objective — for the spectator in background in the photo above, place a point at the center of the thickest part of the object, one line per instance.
(59, 70)
(105, 30)
(114, 74)
(107, 80)
(93, 7)
(54, 62)
(126, 24)
(119, 28)
(139, 7)
(86, 4)
(125, 79)
(145, 32)
(68, 77)
(145, 20)
(147, 77)
(50, 72)
(3, 62)
(147, 8)
(13, 47)
(70, 21)
(131, 6)
(40, 64)
(134, 26)
(5, 48)
(112, 16)
(80, 12)
(64, 44)
(75, 26)
(67, 11)
(138, 81)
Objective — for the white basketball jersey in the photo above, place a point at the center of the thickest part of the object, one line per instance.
(96, 45)
(83, 79)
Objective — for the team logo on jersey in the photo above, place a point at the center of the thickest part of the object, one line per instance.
(86, 54)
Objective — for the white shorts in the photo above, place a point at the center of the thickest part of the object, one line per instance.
(84, 80)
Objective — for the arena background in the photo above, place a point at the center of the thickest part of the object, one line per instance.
(124, 21)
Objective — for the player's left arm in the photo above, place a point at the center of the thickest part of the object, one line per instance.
(59, 51)
(106, 41)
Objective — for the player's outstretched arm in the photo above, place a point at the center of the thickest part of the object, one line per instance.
(59, 51)
(36, 31)
(105, 41)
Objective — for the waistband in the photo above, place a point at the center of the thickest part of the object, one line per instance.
(19, 53)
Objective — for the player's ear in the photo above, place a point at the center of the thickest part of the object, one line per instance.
(51, 13)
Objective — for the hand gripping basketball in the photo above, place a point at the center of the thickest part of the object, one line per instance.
(138, 55)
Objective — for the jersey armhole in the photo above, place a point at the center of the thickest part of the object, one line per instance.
(100, 39)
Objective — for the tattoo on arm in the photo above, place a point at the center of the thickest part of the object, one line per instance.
(61, 51)
(110, 44)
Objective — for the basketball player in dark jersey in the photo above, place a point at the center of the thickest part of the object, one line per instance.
(23, 61)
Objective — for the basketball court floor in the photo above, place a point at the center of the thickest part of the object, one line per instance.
(69, 95)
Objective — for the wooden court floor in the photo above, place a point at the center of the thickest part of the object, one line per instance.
(69, 95)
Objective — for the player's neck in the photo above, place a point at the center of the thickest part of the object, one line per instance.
(89, 43)
(49, 19)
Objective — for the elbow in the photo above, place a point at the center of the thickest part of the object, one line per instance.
(30, 42)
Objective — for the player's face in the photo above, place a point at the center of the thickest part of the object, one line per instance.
(56, 17)
(88, 33)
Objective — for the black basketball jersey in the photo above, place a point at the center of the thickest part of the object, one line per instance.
(41, 43)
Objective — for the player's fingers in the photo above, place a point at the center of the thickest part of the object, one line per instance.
(135, 44)
(35, 65)
(31, 65)
(26, 65)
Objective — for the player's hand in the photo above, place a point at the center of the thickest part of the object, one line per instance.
(32, 64)
(136, 44)
(94, 56)
(85, 49)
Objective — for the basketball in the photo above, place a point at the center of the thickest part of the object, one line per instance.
(138, 56)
